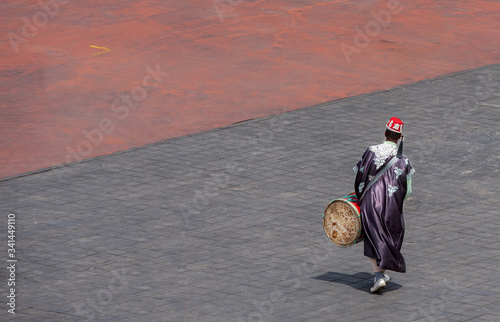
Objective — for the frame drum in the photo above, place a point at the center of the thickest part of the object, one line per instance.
(342, 221)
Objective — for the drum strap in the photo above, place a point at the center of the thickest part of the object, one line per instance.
(384, 170)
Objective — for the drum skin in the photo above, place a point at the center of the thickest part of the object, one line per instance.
(342, 221)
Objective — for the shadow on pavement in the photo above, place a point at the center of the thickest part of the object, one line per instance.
(360, 281)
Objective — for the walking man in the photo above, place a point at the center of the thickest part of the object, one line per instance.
(382, 203)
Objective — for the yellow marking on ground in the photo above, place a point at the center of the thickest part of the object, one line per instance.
(102, 52)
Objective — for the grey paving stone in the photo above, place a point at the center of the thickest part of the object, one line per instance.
(226, 225)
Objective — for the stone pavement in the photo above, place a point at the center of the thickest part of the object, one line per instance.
(226, 225)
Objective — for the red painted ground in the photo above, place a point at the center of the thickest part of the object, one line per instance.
(227, 61)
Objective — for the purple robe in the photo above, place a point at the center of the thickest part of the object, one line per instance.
(382, 206)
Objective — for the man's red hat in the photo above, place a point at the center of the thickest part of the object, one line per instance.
(395, 125)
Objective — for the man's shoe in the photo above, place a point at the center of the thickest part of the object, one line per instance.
(387, 279)
(378, 285)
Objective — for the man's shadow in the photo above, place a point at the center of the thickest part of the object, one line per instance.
(359, 281)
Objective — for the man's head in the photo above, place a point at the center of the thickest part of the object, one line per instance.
(394, 129)
(392, 136)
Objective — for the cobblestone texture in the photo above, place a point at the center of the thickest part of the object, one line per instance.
(226, 225)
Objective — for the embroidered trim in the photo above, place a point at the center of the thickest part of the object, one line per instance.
(408, 176)
(361, 186)
(398, 172)
(382, 152)
(391, 190)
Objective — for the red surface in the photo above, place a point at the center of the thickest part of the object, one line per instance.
(227, 61)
